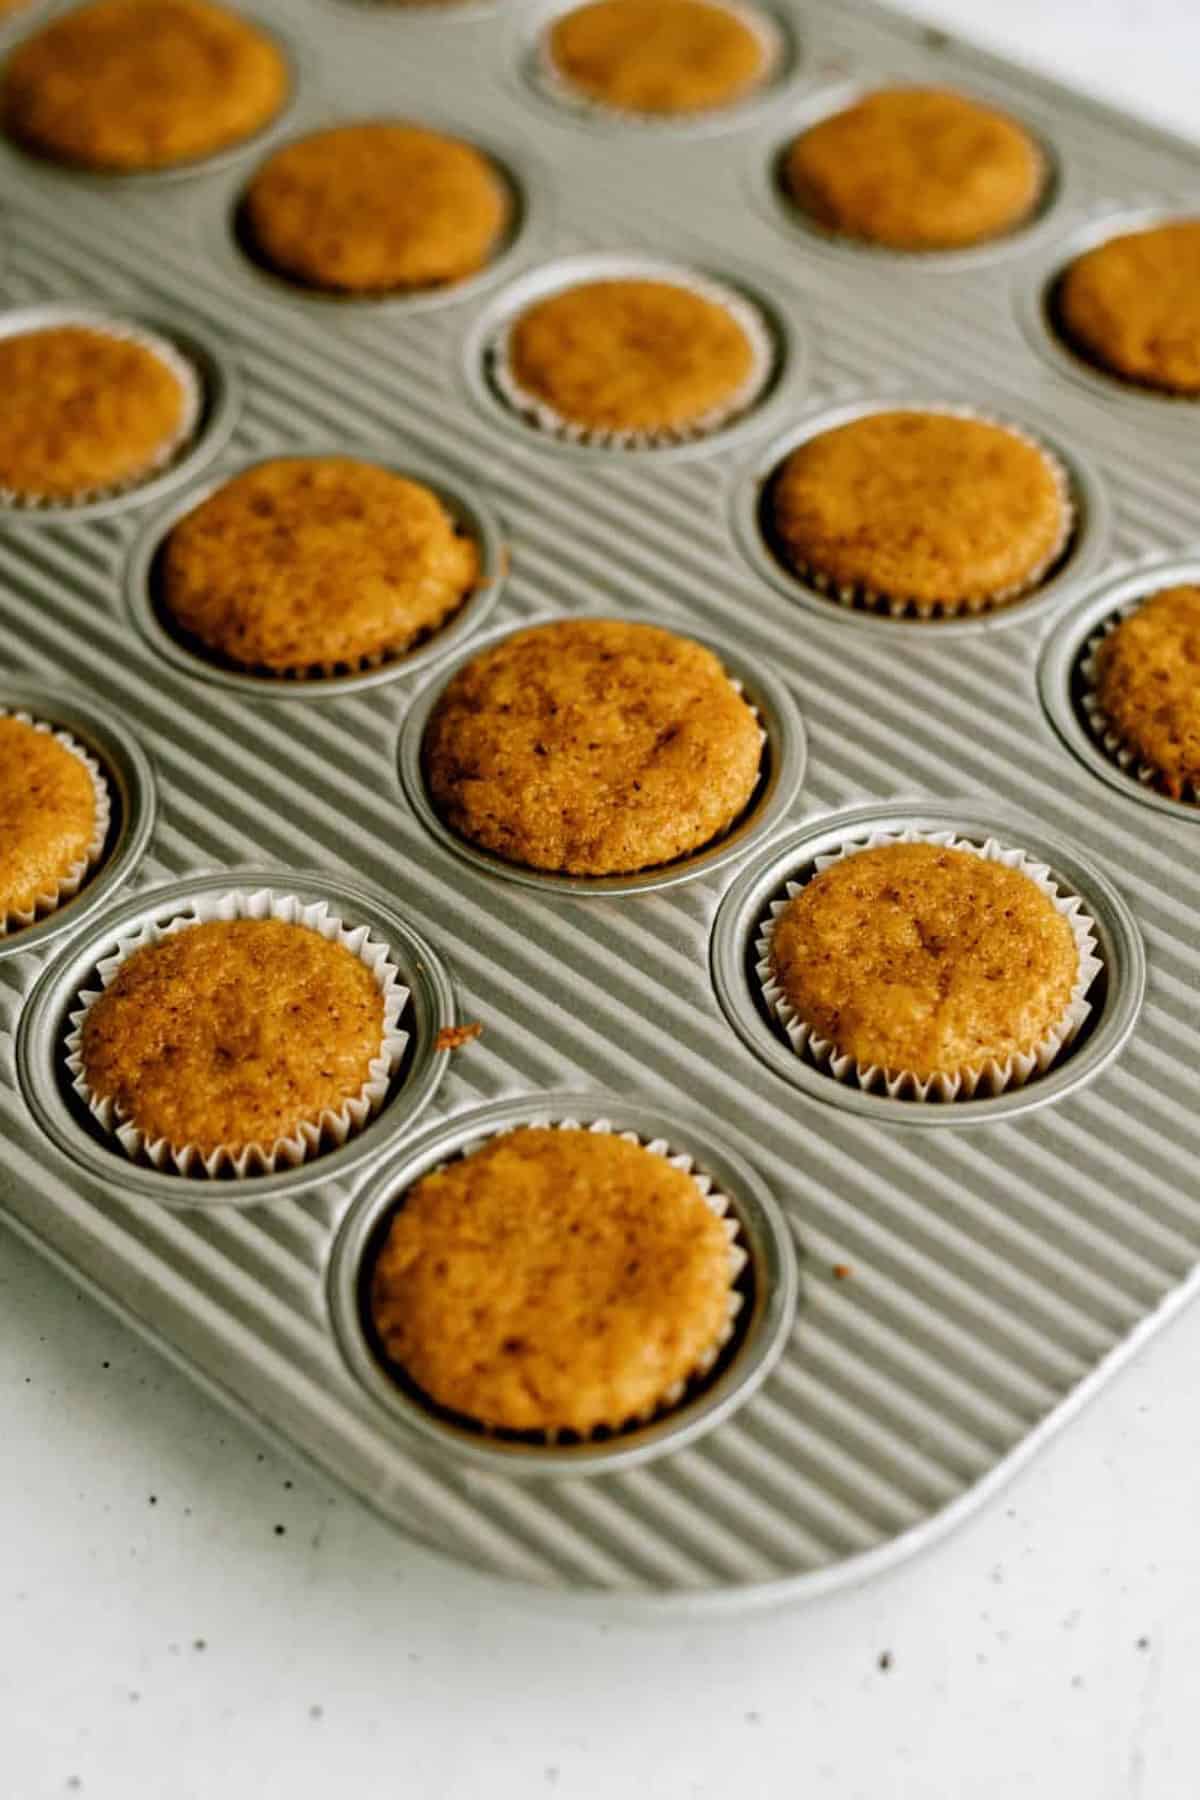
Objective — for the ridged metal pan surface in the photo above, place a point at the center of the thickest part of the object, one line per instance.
(962, 1290)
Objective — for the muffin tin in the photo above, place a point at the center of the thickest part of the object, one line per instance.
(962, 1289)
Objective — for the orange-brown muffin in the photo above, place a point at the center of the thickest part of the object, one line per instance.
(48, 818)
(553, 1281)
(592, 746)
(377, 208)
(657, 56)
(931, 960)
(631, 357)
(916, 169)
(1147, 687)
(923, 508)
(316, 563)
(86, 411)
(1132, 305)
(233, 1032)
(126, 85)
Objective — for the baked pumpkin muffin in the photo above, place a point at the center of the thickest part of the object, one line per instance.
(232, 1033)
(632, 359)
(1132, 306)
(556, 1280)
(128, 85)
(88, 411)
(52, 821)
(660, 57)
(922, 510)
(592, 747)
(916, 169)
(924, 959)
(1146, 688)
(377, 208)
(315, 563)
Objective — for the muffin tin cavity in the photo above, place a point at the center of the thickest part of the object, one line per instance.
(781, 774)
(473, 517)
(217, 390)
(1063, 685)
(46, 1024)
(1115, 994)
(777, 337)
(130, 781)
(765, 174)
(1083, 556)
(231, 243)
(1038, 311)
(782, 64)
(767, 1285)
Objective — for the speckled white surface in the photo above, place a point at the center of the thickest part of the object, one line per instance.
(183, 1614)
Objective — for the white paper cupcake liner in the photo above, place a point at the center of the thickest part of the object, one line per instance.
(990, 1077)
(716, 1201)
(1126, 756)
(535, 411)
(68, 885)
(332, 1128)
(559, 88)
(193, 402)
(903, 606)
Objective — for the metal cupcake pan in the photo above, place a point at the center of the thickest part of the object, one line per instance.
(475, 517)
(957, 1308)
(769, 1286)
(44, 1024)
(779, 783)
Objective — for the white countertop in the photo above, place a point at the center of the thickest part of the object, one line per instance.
(184, 1614)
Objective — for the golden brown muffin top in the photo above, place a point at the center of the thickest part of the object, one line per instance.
(657, 56)
(1133, 306)
(920, 959)
(47, 814)
(1148, 685)
(592, 746)
(84, 412)
(142, 84)
(233, 1032)
(553, 1281)
(916, 169)
(632, 356)
(921, 506)
(377, 207)
(315, 562)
